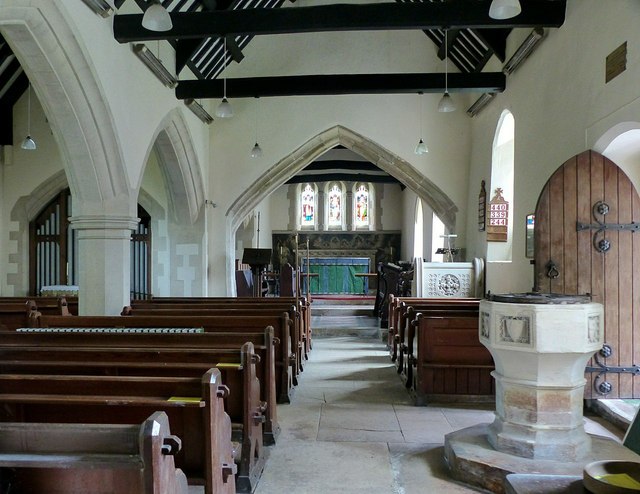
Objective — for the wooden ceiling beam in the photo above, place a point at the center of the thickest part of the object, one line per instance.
(314, 85)
(455, 14)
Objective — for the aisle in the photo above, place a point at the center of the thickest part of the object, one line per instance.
(351, 428)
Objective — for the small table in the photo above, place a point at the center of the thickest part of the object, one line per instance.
(367, 277)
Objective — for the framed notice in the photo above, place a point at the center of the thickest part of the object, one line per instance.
(482, 208)
(529, 244)
(498, 218)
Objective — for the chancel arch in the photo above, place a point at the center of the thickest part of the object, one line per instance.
(299, 158)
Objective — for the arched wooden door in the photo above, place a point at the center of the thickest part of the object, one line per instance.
(585, 243)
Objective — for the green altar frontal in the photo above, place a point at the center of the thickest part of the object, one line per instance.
(337, 275)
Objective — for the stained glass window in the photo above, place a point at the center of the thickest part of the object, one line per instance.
(335, 206)
(361, 201)
(308, 206)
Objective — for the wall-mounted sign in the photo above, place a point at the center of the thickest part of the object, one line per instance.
(498, 218)
(529, 239)
(482, 208)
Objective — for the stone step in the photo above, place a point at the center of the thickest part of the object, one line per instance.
(365, 326)
(355, 300)
(342, 310)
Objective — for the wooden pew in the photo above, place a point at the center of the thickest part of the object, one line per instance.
(66, 458)
(162, 356)
(262, 339)
(450, 362)
(402, 313)
(204, 428)
(235, 319)
(301, 303)
(15, 311)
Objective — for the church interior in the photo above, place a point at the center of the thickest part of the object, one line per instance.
(411, 222)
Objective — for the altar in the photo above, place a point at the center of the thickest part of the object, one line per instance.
(336, 275)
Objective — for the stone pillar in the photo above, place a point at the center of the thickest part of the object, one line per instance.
(321, 210)
(349, 211)
(540, 350)
(104, 264)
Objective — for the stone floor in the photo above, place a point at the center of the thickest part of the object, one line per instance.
(352, 428)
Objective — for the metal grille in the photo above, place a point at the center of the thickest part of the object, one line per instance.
(141, 257)
(52, 246)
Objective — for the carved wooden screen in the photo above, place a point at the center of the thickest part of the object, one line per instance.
(585, 243)
(52, 258)
(141, 257)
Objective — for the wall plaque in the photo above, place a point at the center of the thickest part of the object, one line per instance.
(498, 218)
(482, 208)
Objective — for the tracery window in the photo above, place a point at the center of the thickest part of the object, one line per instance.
(361, 206)
(307, 206)
(334, 206)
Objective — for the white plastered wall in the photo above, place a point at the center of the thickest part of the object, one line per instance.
(561, 107)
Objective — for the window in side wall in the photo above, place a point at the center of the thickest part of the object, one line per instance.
(334, 206)
(361, 208)
(308, 206)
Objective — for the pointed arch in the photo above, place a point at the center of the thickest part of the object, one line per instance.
(298, 159)
(179, 164)
(61, 74)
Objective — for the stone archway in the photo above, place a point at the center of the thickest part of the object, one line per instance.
(179, 163)
(49, 52)
(291, 164)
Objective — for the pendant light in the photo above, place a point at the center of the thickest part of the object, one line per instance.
(156, 18)
(224, 109)
(446, 103)
(504, 9)
(28, 144)
(256, 151)
(421, 148)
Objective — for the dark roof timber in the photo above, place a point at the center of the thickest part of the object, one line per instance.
(308, 85)
(455, 14)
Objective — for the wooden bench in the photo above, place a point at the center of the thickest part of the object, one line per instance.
(261, 337)
(297, 308)
(161, 356)
(15, 311)
(402, 315)
(302, 304)
(65, 458)
(288, 351)
(207, 456)
(450, 362)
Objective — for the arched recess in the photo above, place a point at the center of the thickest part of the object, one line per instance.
(291, 164)
(180, 167)
(23, 212)
(61, 74)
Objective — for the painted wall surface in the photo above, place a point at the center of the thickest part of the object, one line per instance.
(561, 106)
(392, 121)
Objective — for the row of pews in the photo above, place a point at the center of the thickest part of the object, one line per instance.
(215, 367)
(435, 345)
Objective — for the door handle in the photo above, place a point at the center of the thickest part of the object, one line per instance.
(552, 270)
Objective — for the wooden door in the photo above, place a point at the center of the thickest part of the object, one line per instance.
(583, 246)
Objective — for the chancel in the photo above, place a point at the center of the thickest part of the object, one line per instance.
(319, 311)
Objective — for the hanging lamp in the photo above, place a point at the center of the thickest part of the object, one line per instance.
(256, 151)
(446, 104)
(224, 109)
(156, 18)
(421, 148)
(504, 9)
(28, 144)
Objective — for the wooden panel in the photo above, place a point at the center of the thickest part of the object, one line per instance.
(635, 292)
(556, 228)
(625, 284)
(570, 237)
(612, 333)
(569, 196)
(541, 241)
(585, 248)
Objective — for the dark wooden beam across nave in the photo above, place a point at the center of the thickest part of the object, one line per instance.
(314, 85)
(457, 14)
